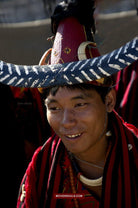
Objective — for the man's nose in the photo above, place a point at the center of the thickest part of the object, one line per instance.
(68, 119)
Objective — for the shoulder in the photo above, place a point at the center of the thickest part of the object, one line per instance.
(119, 123)
(44, 154)
(41, 160)
(132, 128)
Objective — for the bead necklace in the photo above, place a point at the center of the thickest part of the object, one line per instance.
(73, 186)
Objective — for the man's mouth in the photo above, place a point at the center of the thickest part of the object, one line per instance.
(73, 136)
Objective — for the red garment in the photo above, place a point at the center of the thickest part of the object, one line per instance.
(47, 174)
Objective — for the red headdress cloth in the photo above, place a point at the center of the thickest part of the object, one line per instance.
(71, 43)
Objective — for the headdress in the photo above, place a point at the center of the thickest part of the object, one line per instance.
(74, 57)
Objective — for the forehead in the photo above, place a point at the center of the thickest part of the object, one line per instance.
(63, 93)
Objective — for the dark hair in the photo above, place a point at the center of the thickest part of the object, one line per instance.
(102, 91)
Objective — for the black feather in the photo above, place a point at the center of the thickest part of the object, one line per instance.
(80, 9)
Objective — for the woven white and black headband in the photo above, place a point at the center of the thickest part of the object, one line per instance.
(69, 73)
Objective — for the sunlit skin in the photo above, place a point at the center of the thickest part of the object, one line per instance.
(79, 118)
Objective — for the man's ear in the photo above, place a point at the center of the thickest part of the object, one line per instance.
(110, 100)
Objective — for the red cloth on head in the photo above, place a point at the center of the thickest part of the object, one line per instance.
(69, 36)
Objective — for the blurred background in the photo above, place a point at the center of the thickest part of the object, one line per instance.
(24, 29)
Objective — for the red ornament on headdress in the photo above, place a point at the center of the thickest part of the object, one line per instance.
(68, 43)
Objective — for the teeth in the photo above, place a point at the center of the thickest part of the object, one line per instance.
(73, 135)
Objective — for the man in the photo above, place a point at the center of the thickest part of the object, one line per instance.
(92, 158)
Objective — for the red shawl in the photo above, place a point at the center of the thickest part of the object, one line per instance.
(48, 172)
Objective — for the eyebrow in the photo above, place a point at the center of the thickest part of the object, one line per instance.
(78, 97)
(81, 96)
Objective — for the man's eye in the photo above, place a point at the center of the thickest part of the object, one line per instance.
(54, 108)
(80, 104)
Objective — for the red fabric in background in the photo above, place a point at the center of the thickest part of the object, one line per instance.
(127, 94)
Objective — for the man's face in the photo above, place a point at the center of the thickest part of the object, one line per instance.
(78, 117)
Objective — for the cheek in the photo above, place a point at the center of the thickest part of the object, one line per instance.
(49, 118)
(52, 120)
(96, 119)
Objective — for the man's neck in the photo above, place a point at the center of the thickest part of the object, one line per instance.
(95, 155)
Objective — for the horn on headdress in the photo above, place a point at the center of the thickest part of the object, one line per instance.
(69, 73)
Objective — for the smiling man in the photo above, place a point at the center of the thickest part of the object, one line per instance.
(81, 120)
(91, 159)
